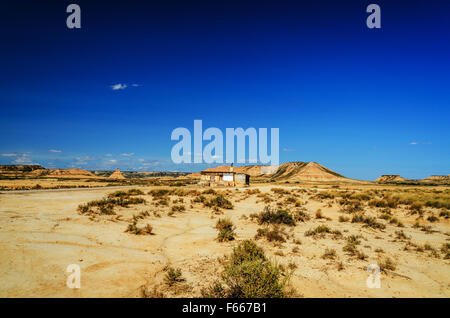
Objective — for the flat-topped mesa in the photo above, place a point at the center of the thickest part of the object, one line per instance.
(444, 178)
(116, 175)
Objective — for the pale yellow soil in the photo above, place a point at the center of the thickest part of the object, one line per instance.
(41, 233)
(49, 183)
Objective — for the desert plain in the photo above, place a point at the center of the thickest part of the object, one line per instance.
(322, 242)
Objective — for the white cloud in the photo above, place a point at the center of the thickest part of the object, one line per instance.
(287, 150)
(10, 154)
(55, 151)
(413, 143)
(135, 85)
(113, 161)
(23, 159)
(116, 87)
(81, 161)
(131, 154)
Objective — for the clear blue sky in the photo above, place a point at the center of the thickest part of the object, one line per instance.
(362, 102)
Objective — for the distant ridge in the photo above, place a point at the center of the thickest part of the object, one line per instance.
(295, 171)
(34, 171)
(444, 179)
(391, 178)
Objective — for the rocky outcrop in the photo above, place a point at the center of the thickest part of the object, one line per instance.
(116, 175)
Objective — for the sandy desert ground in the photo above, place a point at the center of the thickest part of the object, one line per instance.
(42, 232)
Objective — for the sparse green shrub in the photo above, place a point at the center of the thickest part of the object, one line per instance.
(350, 206)
(319, 214)
(368, 221)
(445, 249)
(321, 230)
(249, 275)
(279, 191)
(178, 208)
(268, 216)
(351, 246)
(416, 207)
(134, 229)
(275, 234)
(226, 230)
(156, 193)
(329, 254)
(173, 276)
(387, 264)
(302, 216)
(220, 202)
(444, 213)
(401, 235)
(199, 199)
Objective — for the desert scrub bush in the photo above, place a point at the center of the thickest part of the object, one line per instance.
(209, 191)
(226, 230)
(249, 274)
(445, 249)
(320, 231)
(134, 229)
(368, 221)
(329, 254)
(125, 194)
(268, 216)
(351, 246)
(401, 235)
(141, 215)
(433, 199)
(432, 218)
(427, 229)
(252, 191)
(103, 206)
(279, 191)
(219, 201)
(135, 192)
(319, 214)
(162, 201)
(444, 213)
(173, 276)
(387, 264)
(361, 196)
(178, 208)
(199, 199)
(157, 193)
(350, 206)
(290, 200)
(274, 234)
(416, 208)
(324, 195)
(83, 208)
(343, 218)
(388, 202)
(396, 222)
(301, 216)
